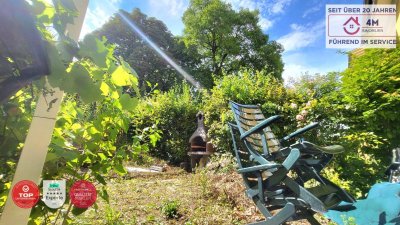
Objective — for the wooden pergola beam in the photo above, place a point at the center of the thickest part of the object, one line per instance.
(33, 155)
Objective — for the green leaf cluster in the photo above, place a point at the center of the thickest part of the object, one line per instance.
(91, 138)
(174, 113)
(227, 39)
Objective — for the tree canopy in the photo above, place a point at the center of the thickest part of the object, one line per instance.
(148, 65)
(228, 40)
(215, 38)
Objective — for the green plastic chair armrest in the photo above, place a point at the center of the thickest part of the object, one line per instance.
(299, 131)
(258, 168)
(332, 149)
(291, 158)
(265, 123)
(288, 163)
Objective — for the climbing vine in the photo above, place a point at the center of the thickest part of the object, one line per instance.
(92, 136)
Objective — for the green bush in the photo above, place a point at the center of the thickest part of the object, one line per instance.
(364, 160)
(246, 87)
(371, 87)
(174, 113)
(318, 98)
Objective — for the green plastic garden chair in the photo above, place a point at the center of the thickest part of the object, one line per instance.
(313, 157)
(265, 166)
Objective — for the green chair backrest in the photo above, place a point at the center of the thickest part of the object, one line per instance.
(243, 156)
(248, 116)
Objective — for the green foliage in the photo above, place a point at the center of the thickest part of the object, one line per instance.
(228, 40)
(170, 209)
(149, 65)
(246, 87)
(112, 217)
(365, 159)
(371, 86)
(91, 134)
(222, 163)
(319, 99)
(174, 112)
(368, 105)
(349, 220)
(15, 117)
(202, 180)
(104, 122)
(358, 109)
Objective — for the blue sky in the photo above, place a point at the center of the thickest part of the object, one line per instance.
(299, 25)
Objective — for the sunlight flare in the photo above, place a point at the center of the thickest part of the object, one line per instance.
(157, 49)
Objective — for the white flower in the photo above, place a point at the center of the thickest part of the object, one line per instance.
(299, 117)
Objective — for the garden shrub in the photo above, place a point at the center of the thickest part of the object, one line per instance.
(371, 86)
(318, 98)
(246, 87)
(174, 113)
(364, 160)
(370, 93)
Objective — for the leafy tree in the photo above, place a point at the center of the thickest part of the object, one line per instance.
(371, 86)
(148, 64)
(228, 40)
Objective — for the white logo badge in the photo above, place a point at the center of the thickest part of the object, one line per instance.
(54, 193)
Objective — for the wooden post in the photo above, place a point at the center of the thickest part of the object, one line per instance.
(33, 155)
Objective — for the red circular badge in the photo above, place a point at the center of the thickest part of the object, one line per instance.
(25, 194)
(83, 194)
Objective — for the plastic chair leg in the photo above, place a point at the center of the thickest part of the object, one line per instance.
(282, 216)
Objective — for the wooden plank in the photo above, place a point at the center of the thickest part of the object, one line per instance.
(199, 153)
(158, 168)
(33, 155)
(248, 116)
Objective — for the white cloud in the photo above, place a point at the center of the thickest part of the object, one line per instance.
(270, 7)
(299, 63)
(247, 4)
(302, 36)
(170, 12)
(265, 23)
(294, 71)
(115, 1)
(98, 14)
(170, 7)
(277, 6)
(312, 10)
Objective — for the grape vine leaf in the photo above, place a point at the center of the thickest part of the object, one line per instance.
(77, 211)
(95, 49)
(121, 77)
(119, 168)
(127, 102)
(57, 68)
(79, 81)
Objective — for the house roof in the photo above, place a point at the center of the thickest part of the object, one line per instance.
(352, 19)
